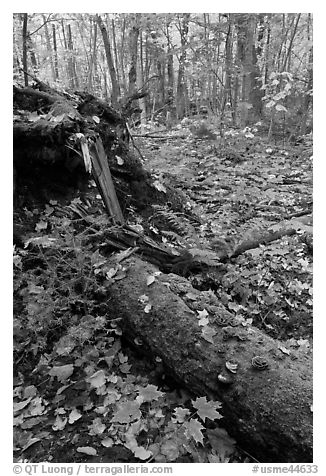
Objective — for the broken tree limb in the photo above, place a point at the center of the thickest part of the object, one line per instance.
(102, 175)
(265, 236)
(267, 410)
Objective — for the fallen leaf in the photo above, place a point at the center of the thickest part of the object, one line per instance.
(149, 393)
(150, 280)
(208, 333)
(62, 372)
(202, 314)
(97, 380)
(127, 412)
(170, 449)
(221, 442)
(87, 450)
(194, 429)
(21, 405)
(142, 453)
(59, 423)
(181, 414)
(107, 442)
(74, 415)
(203, 322)
(207, 409)
(97, 427)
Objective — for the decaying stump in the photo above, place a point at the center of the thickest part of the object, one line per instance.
(266, 402)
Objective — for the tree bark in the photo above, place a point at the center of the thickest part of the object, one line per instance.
(25, 66)
(133, 45)
(48, 46)
(115, 86)
(268, 411)
(181, 99)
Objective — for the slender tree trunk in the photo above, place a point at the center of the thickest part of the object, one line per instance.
(115, 86)
(268, 40)
(181, 100)
(55, 53)
(228, 63)
(48, 46)
(289, 49)
(122, 48)
(92, 63)
(25, 66)
(170, 70)
(133, 47)
(115, 50)
(140, 83)
(74, 77)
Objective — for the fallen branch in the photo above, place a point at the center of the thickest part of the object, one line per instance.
(263, 237)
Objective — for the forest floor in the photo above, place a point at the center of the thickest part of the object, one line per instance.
(67, 406)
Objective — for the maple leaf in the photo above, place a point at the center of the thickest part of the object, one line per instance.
(202, 314)
(193, 428)
(181, 414)
(207, 409)
(149, 393)
(127, 412)
(62, 372)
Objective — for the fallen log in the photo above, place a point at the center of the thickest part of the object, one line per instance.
(266, 402)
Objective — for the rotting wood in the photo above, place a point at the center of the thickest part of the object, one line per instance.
(269, 411)
(102, 175)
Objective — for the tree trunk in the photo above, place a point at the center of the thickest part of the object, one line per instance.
(170, 71)
(251, 91)
(25, 66)
(93, 58)
(115, 50)
(181, 100)
(133, 46)
(55, 53)
(115, 86)
(48, 46)
(268, 411)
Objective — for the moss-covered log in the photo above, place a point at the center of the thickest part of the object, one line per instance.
(267, 407)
